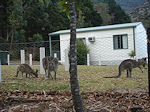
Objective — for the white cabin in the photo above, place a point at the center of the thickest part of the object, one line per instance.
(108, 45)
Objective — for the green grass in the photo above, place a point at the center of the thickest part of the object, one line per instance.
(90, 79)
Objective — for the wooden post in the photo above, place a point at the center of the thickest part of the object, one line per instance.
(148, 50)
(55, 55)
(30, 59)
(50, 45)
(22, 56)
(8, 59)
(88, 60)
(66, 61)
(42, 55)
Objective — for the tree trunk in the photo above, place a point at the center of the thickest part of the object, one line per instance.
(148, 50)
(12, 37)
(76, 96)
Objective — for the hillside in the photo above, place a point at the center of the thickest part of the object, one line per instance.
(141, 13)
(126, 4)
(129, 4)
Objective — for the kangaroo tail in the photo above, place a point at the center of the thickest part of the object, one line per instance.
(117, 75)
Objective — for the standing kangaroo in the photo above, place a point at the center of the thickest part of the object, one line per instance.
(51, 64)
(25, 68)
(128, 65)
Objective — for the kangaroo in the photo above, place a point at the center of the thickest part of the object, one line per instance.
(51, 64)
(25, 68)
(142, 62)
(128, 65)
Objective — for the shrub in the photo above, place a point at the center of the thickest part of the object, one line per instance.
(14, 55)
(82, 51)
(37, 57)
(132, 54)
(36, 38)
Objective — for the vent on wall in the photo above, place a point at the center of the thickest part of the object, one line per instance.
(91, 39)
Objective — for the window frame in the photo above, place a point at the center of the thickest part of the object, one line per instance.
(121, 40)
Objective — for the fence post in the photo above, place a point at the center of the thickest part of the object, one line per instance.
(22, 56)
(0, 72)
(88, 60)
(148, 50)
(8, 59)
(30, 59)
(66, 61)
(42, 55)
(55, 55)
(50, 45)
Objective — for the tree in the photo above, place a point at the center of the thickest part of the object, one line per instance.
(11, 18)
(90, 16)
(119, 15)
(29, 17)
(75, 90)
(86, 14)
(44, 17)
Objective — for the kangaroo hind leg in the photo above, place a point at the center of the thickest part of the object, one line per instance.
(17, 73)
(128, 74)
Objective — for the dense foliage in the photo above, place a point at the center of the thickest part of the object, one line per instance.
(91, 16)
(86, 14)
(21, 20)
(25, 20)
(119, 14)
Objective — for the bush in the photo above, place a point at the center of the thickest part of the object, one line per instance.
(37, 57)
(132, 54)
(19, 36)
(82, 51)
(36, 38)
(15, 55)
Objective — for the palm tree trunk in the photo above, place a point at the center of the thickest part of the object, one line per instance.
(75, 90)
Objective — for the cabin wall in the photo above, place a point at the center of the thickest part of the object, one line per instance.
(101, 51)
(141, 42)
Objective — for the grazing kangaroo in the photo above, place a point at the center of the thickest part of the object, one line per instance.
(128, 65)
(25, 68)
(51, 64)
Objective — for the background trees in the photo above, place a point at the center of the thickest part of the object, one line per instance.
(21, 19)
(119, 15)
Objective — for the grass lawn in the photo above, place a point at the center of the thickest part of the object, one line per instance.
(90, 79)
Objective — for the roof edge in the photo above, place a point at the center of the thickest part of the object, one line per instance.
(98, 28)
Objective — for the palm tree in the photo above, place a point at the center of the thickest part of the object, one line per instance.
(75, 90)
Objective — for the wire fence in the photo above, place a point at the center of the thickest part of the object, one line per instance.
(109, 50)
(14, 49)
(102, 50)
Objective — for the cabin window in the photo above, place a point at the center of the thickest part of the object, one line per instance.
(120, 41)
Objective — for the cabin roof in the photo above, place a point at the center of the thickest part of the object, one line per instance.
(98, 28)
